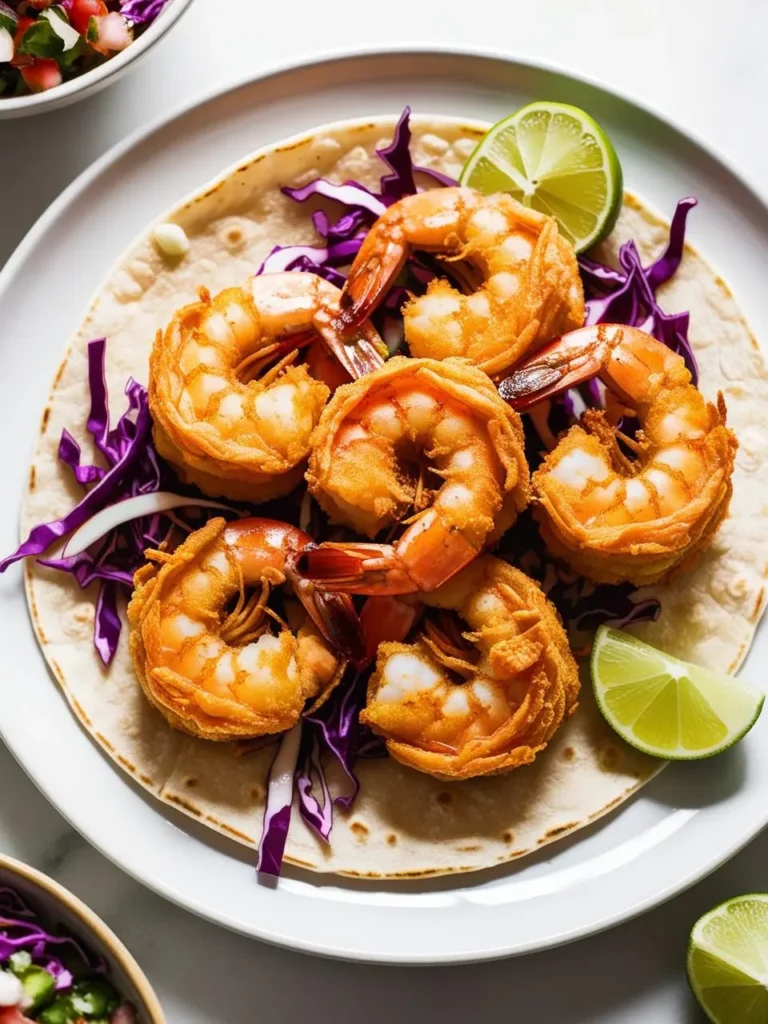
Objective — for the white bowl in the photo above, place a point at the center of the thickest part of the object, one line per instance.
(92, 81)
(57, 906)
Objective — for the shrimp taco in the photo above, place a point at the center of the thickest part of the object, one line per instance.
(346, 559)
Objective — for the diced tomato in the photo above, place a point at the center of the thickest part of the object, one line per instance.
(81, 12)
(39, 5)
(20, 59)
(44, 74)
(12, 1015)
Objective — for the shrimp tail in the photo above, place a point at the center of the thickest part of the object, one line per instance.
(334, 615)
(358, 357)
(356, 569)
(368, 280)
(570, 360)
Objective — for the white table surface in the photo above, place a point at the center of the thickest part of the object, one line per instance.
(700, 61)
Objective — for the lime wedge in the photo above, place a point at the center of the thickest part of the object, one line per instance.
(728, 961)
(665, 706)
(556, 159)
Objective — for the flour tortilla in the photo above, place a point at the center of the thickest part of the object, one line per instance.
(403, 824)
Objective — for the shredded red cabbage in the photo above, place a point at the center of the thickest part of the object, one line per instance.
(298, 767)
(277, 810)
(344, 237)
(132, 468)
(141, 12)
(334, 729)
(627, 294)
(20, 930)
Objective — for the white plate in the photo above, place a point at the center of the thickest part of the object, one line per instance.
(683, 825)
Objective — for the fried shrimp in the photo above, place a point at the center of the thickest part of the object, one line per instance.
(611, 516)
(458, 704)
(222, 674)
(530, 292)
(426, 443)
(233, 405)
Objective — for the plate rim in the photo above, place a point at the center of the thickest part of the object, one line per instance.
(141, 134)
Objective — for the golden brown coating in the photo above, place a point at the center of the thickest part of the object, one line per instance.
(483, 702)
(219, 675)
(638, 512)
(425, 442)
(524, 285)
(231, 395)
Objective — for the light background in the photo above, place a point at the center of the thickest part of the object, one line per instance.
(702, 64)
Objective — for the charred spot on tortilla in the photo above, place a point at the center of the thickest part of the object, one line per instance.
(559, 830)
(235, 833)
(189, 808)
(610, 758)
(611, 804)
(360, 831)
(444, 798)
(84, 613)
(128, 765)
(391, 839)
(81, 714)
(59, 374)
(191, 782)
(291, 147)
(46, 417)
(568, 754)
(509, 837)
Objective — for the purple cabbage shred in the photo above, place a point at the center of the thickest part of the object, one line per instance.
(132, 467)
(627, 294)
(343, 237)
(20, 931)
(277, 808)
(142, 12)
(333, 730)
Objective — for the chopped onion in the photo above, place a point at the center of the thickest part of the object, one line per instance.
(131, 508)
(7, 48)
(58, 22)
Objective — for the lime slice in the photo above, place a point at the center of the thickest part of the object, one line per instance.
(665, 706)
(728, 961)
(556, 159)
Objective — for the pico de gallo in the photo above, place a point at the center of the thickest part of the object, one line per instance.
(48, 977)
(44, 43)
